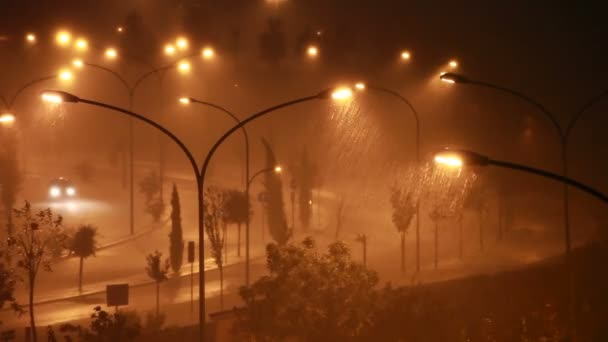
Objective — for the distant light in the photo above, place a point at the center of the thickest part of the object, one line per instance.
(119, 29)
(63, 38)
(30, 38)
(453, 64)
(81, 44)
(310, 202)
(70, 191)
(169, 50)
(312, 51)
(52, 97)
(278, 169)
(7, 118)
(342, 94)
(184, 100)
(182, 43)
(78, 63)
(448, 160)
(65, 75)
(319, 33)
(360, 85)
(405, 55)
(55, 191)
(111, 53)
(184, 67)
(208, 53)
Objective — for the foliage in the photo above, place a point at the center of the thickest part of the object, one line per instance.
(156, 269)
(277, 220)
(11, 178)
(310, 296)
(154, 322)
(83, 242)
(214, 220)
(106, 327)
(305, 177)
(236, 208)
(404, 208)
(8, 281)
(149, 186)
(176, 239)
(38, 238)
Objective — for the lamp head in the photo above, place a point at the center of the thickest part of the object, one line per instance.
(58, 96)
(458, 158)
(451, 77)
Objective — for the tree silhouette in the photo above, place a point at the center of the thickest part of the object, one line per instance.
(404, 210)
(149, 186)
(214, 221)
(8, 281)
(477, 200)
(176, 239)
(10, 178)
(236, 211)
(277, 221)
(157, 271)
(272, 42)
(38, 238)
(83, 244)
(310, 296)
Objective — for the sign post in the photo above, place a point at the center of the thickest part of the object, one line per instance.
(117, 295)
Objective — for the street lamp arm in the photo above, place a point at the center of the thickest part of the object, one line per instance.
(4, 102)
(411, 107)
(152, 123)
(27, 85)
(523, 96)
(112, 72)
(551, 175)
(249, 119)
(148, 74)
(581, 111)
(268, 169)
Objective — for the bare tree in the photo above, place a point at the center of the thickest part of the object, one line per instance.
(215, 223)
(157, 270)
(82, 244)
(38, 238)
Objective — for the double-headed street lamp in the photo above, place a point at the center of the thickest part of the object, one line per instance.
(58, 97)
(564, 135)
(362, 86)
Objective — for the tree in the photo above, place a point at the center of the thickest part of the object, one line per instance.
(215, 222)
(83, 244)
(306, 175)
(105, 327)
(272, 42)
(277, 221)
(157, 271)
(10, 179)
(236, 211)
(38, 238)
(8, 281)
(404, 209)
(477, 201)
(310, 296)
(149, 186)
(176, 239)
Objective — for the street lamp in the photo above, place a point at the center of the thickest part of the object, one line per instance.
(30, 38)
(207, 52)
(60, 97)
(63, 38)
(362, 86)
(111, 53)
(405, 55)
(563, 136)
(462, 158)
(6, 119)
(312, 51)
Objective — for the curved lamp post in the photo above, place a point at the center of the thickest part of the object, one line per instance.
(187, 100)
(460, 158)
(363, 86)
(58, 97)
(460, 79)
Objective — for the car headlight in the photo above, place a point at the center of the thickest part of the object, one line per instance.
(70, 191)
(55, 191)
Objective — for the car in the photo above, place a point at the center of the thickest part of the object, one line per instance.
(61, 188)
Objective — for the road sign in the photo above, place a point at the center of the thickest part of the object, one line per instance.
(117, 294)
